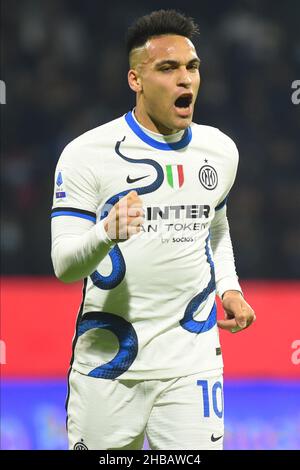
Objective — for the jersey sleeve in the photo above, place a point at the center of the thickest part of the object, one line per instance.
(78, 246)
(225, 271)
(76, 188)
(78, 242)
(231, 158)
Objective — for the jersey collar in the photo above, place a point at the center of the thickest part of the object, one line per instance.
(186, 138)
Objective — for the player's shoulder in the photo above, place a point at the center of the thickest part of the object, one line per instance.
(212, 136)
(92, 140)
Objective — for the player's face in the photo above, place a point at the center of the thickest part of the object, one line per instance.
(169, 79)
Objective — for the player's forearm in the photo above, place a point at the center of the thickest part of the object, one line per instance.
(226, 277)
(77, 248)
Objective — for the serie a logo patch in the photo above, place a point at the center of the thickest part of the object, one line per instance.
(59, 193)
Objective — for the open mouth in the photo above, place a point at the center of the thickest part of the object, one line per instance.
(184, 101)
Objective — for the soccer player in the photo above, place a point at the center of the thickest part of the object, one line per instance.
(139, 213)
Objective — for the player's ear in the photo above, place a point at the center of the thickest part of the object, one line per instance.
(134, 81)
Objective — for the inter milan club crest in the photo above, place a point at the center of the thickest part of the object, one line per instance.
(175, 176)
(80, 446)
(208, 177)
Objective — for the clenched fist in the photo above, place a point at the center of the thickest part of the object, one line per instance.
(238, 314)
(125, 218)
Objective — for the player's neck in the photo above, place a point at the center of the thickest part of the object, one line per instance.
(145, 121)
(170, 138)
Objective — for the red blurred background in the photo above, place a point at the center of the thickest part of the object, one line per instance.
(38, 320)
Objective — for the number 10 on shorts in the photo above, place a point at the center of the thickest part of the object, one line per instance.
(212, 398)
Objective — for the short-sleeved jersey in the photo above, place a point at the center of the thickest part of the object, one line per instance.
(148, 311)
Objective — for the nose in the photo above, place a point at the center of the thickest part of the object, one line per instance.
(184, 78)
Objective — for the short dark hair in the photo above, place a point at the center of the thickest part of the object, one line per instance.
(158, 23)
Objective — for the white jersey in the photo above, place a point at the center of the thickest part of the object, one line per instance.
(148, 308)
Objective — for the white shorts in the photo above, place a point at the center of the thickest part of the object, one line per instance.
(181, 413)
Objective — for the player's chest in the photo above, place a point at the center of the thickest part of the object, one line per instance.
(164, 176)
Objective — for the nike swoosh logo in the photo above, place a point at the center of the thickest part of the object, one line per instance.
(134, 180)
(214, 439)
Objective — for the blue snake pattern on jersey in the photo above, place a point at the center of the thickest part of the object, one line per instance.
(121, 328)
(188, 322)
(127, 337)
(118, 264)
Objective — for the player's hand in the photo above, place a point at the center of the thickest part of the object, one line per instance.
(125, 218)
(238, 314)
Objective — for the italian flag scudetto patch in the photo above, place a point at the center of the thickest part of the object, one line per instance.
(175, 175)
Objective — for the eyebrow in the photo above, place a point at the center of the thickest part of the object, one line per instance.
(176, 62)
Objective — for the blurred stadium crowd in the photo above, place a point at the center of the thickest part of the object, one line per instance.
(65, 69)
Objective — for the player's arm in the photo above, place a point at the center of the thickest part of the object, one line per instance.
(78, 246)
(238, 313)
(79, 242)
